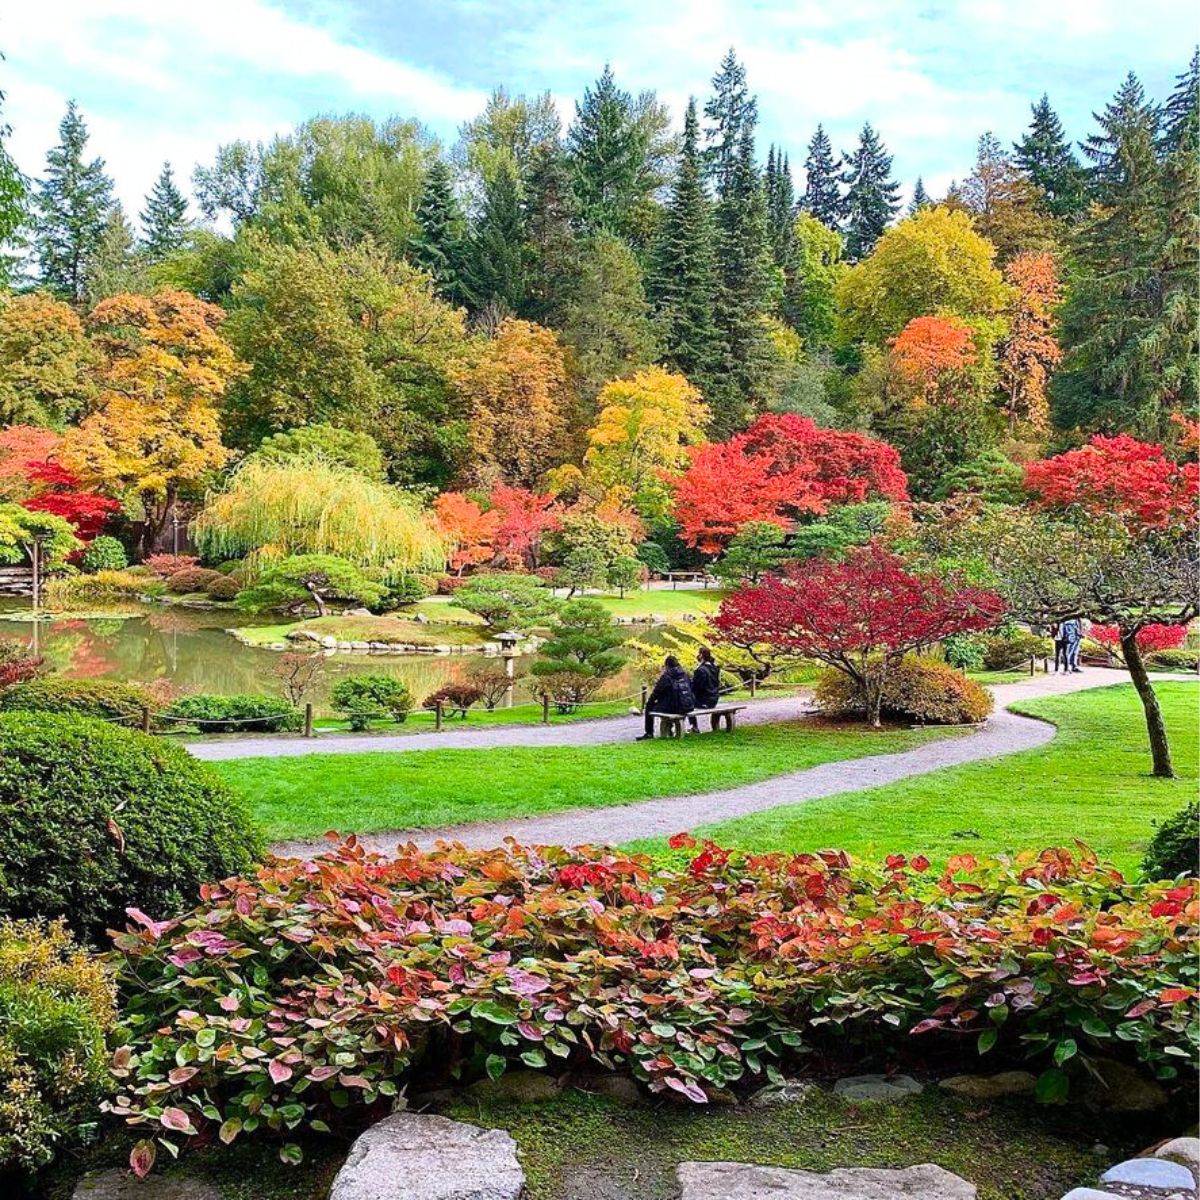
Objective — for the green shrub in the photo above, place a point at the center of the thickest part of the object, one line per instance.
(225, 714)
(105, 699)
(1015, 650)
(98, 819)
(965, 651)
(230, 566)
(103, 588)
(1175, 845)
(104, 554)
(1180, 659)
(192, 579)
(364, 698)
(408, 590)
(916, 690)
(57, 1005)
(224, 587)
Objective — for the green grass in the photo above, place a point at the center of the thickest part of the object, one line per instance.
(1091, 782)
(305, 796)
(687, 602)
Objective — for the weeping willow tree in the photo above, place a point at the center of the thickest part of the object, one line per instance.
(270, 510)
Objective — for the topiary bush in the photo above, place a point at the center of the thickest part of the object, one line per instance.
(930, 693)
(166, 565)
(98, 819)
(408, 590)
(566, 690)
(104, 554)
(365, 698)
(1175, 846)
(454, 697)
(105, 699)
(224, 587)
(1181, 659)
(232, 714)
(192, 579)
(57, 1005)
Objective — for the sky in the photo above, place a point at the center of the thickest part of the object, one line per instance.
(172, 79)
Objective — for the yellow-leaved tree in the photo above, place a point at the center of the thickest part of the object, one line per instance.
(154, 428)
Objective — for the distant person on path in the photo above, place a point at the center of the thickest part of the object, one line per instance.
(672, 694)
(1060, 646)
(1072, 634)
(706, 684)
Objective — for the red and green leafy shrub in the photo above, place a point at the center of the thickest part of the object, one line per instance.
(17, 664)
(932, 693)
(454, 697)
(166, 565)
(303, 995)
(192, 579)
(1150, 638)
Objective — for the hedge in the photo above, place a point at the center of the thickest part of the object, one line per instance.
(104, 699)
(232, 714)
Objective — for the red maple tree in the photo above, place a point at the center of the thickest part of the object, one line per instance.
(468, 528)
(781, 468)
(1149, 638)
(930, 351)
(859, 616)
(524, 519)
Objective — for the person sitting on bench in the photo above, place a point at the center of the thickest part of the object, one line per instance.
(672, 694)
(706, 684)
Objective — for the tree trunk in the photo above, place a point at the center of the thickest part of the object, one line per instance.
(1160, 750)
(318, 599)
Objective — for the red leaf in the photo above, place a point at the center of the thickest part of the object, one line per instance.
(141, 1158)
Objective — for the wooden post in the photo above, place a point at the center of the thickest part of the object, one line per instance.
(437, 716)
(308, 720)
(645, 696)
(546, 709)
(145, 718)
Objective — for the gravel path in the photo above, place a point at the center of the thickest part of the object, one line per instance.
(1003, 733)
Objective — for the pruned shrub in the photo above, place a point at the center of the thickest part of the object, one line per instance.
(1180, 659)
(232, 714)
(1175, 847)
(98, 819)
(405, 591)
(930, 693)
(566, 690)
(303, 996)
(366, 698)
(492, 679)
(17, 664)
(454, 697)
(57, 1006)
(192, 579)
(100, 590)
(106, 699)
(104, 553)
(166, 565)
(1009, 653)
(224, 587)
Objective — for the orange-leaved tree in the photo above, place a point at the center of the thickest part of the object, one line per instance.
(1031, 351)
(469, 530)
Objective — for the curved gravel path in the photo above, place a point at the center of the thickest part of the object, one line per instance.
(1003, 733)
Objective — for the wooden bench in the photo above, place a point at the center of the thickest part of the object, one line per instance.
(671, 724)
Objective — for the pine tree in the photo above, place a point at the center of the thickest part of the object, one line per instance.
(681, 280)
(439, 247)
(872, 196)
(553, 246)
(1179, 110)
(496, 267)
(164, 219)
(729, 112)
(920, 197)
(822, 193)
(70, 210)
(13, 194)
(781, 210)
(115, 266)
(1046, 157)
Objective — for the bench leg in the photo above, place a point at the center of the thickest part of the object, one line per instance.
(729, 722)
(715, 722)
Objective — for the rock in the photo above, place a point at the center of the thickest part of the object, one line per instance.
(615, 1087)
(990, 1087)
(329, 641)
(357, 612)
(885, 1088)
(1090, 1194)
(301, 635)
(1182, 1149)
(521, 1087)
(789, 1091)
(360, 645)
(1150, 1172)
(744, 1181)
(1116, 1088)
(414, 1156)
(120, 1184)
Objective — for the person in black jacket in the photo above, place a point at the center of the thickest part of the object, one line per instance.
(671, 694)
(706, 684)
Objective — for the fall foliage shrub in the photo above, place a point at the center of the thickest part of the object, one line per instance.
(566, 690)
(365, 698)
(1150, 638)
(57, 1005)
(457, 697)
(104, 554)
(97, 819)
(916, 690)
(224, 587)
(17, 664)
(192, 579)
(105, 699)
(1008, 653)
(232, 714)
(103, 588)
(1175, 847)
(166, 565)
(492, 680)
(303, 994)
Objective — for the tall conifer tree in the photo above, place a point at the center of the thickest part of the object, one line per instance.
(872, 196)
(822, 192)
(495, 275)
(13, 196)
(1180, 108)
(1046, 157)
(920, 197)
(439, 246)
(553, 247)
(729, 111)
(164, 219)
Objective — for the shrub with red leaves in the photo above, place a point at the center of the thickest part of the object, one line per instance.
(306, 995)
(1149, 638)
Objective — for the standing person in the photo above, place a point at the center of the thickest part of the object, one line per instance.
(1072, 632)
(672, 694)
(706, 684)
(1060, 646)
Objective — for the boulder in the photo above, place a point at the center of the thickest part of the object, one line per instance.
(356, 612)
(329, 641)
(787, 1091)
(615, 1087)
(301, 635)
(414, 1156)
(120, 1184)
(991, 1087)
(521, 1087)
(1150, 1172)
(1116, 1087)
(1184, 1150)
(885, 1088)
(744, 1181)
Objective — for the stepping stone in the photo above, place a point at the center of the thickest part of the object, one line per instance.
(885, 1088)
(1182, 1149)
(120, 1184)
(744, 1181)
(414, 1156)
(1150, 1172)
(990, 1087)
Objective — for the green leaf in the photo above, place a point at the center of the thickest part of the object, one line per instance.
(534, 1058)
(1064, 1050)
(1094, 1027)
(229, 1130)
(291, 1154)
(494, 1066)
(1052, 1086)
(489, 1010)
(987, 1039)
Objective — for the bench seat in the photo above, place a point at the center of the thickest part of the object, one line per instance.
(671, 724)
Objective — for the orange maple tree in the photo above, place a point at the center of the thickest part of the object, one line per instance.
(1031, 351)
(930, 351)
(469, 529)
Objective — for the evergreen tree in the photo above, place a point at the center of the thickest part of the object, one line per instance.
(1180, 108)
(496, 269)
(682, 275)
(1046, 157)
(70, 210)
(729, 112)
(12, 198)
(553, 246)
(439, 246)
(822, 193)
(920, 197)
(115, 265)
(781, 210)
(164, 219)
(872, 196)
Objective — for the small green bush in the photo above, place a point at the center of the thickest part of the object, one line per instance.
(224, 587)
(226, 714)
(105, 699)
(192, 579)
(57, 1005)
(965, 651)
(1173, 849)
(364, 698)
(1180, 659)
(99, 819)
(409, 590)
(104, 554)
(1009, 653)
(917, 690)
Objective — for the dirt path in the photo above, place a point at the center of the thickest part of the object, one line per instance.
(1004, 733)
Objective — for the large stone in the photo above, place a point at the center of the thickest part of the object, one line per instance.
(521, 1087)
(614, 1087)
(1116, 1087)
(885, 1088)
(1181, 1149)
(744, 1181)
(1090, 1194)
(786, 1091)
(120, 1184)
(1150, 1172)
(414, 1156)
(990, 1087)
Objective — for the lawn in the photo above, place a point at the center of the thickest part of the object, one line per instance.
(305, 796)
(670, 606)
(1091, 782)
